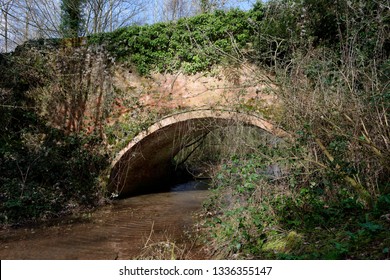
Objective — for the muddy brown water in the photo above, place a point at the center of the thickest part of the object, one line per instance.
(116, 231)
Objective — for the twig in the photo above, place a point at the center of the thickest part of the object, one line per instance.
(150, 235)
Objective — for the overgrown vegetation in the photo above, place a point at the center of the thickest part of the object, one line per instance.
(272, 205)
(325, 193)
(52, 153)
(190, 45)
(331, 62)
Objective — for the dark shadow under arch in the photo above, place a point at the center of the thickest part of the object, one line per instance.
(147, 159)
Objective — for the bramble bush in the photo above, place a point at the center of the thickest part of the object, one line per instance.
(330, 62)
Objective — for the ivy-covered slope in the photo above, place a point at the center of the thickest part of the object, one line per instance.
(190, 44)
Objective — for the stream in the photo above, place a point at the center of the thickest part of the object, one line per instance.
(121, 230)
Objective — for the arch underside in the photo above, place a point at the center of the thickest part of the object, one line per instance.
(147, 160)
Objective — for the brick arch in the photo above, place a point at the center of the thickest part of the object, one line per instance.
(147, 159)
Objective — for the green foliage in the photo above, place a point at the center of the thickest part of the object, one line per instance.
(252, 214)
(190, 44)
(243, 200)
(71, 18)
(277, 32)
(331, 65)
(322, 21)
(45, 173)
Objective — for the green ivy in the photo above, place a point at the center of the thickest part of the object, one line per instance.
(191, 44)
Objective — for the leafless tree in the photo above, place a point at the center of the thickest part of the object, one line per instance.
(21, 20)
(175, 9)
(43, 17)
(107, 15)
(168, 10)
(5, 6)
(211, 5)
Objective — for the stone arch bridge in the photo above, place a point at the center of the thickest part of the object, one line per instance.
(147, 159)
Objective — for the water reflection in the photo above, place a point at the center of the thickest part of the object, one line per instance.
(191, 186)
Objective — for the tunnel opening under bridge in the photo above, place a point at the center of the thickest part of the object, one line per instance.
(161, 153)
